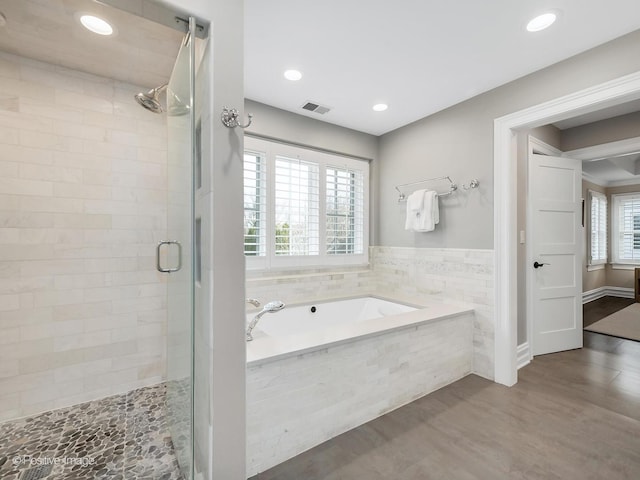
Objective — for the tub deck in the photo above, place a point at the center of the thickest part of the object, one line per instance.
(266, 348)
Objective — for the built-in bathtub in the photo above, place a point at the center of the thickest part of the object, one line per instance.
(317, 370)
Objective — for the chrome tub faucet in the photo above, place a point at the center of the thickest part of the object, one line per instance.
(253, 302)
(271, 307)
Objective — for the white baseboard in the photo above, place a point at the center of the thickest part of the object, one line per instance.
(523, 355)
(596, 293)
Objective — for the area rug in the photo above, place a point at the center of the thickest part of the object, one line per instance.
(624, 323)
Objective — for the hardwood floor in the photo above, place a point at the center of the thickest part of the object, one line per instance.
(572, 415)
(603, 307)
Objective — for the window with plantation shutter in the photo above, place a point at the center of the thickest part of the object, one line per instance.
(598, 228)
(255, 204)
(297, 207)
(303, 207)
(345, 210)
(626, 228)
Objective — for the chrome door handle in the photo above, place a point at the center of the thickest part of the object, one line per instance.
(168, 270)
(538, 265)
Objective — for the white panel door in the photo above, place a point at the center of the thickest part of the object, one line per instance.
(555, 195)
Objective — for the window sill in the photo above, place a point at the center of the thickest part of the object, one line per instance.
(625, 266)
(593, 268)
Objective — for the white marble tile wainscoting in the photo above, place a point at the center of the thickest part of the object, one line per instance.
(447, 275)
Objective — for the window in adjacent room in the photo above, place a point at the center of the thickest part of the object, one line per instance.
(597, 237)
(303, 207)
(626, 228)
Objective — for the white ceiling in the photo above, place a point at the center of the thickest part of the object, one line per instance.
(141, 52)
(419, 56)
(614, 171)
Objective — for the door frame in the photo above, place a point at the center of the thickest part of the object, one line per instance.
(614, 92)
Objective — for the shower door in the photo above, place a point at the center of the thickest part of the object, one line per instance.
(177, 253)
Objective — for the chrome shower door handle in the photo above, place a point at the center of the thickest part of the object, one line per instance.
(159, 266)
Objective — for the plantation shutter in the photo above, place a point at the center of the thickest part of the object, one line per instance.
(628, 228)
(255, 204)
(344, 211)
(297, 207)
(598, 225)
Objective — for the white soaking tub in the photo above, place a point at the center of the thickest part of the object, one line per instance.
(315, 371)
(321, 316)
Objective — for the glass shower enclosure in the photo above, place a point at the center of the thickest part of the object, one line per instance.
(176, 254)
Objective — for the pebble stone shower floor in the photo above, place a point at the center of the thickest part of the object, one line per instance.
(124, 437)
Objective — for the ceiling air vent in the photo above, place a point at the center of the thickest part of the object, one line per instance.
(314, 107)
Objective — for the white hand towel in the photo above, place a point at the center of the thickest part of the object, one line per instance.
(430, 214)
(436, 209)
(415, 205)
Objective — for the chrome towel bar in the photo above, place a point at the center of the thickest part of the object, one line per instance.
(452, 186)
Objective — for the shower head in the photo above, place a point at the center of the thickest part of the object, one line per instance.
(151, 99)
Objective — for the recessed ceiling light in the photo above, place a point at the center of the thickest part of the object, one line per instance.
(541, 22)
(293, 75)
(96, 25)
(380, 107)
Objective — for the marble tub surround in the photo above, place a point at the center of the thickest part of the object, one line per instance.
(301, 400)
(122, 437)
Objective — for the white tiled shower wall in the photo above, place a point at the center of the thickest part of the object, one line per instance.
(445, 275)
(82, 205)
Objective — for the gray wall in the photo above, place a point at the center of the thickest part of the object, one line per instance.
(286, 126)
(283, 125)
(604, 131)
(595, 278)
(228, 355)
(228, 307)
(459, 142)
